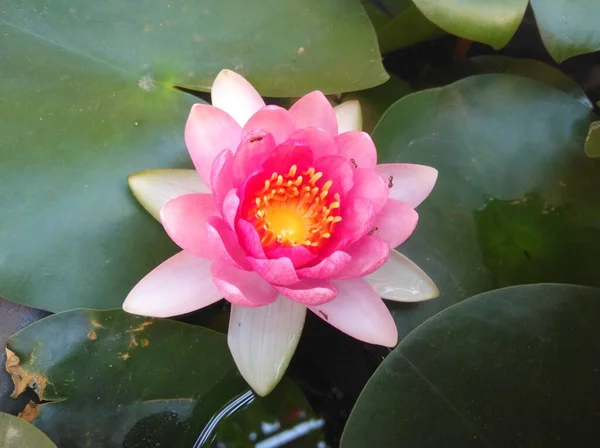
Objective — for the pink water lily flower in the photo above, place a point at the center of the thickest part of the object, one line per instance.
(290, 211)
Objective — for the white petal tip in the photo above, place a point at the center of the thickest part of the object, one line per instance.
(154, 188)
(349, 116)
(262, 341)
(401, 280)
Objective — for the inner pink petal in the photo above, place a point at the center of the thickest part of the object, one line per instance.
(221, 177)
(224, 244)
(320, 142)
(255, 149)
(300, 255)
(329, 267)
(338, 170)
(309, 291)
(249, 239)
(240, 287)
(277, 271)
(273, 119)
(230, 207)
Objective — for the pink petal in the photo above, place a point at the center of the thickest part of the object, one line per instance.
(299, 255)
(230, 207)
(277, 271)
(273, 119)
(309, 291)
(327, 268)
(180, 285)
(224, 244)
(359, 312)
(320, 142)
(338, 170)
(208, 132)
(367, 255)
(184, 218)
(357, 146)
(245, 288)
(236, 96)
(313, 110)
(370, 185)
(286, 155)
(395, 223)
(249, 239)
(357, 220)
(255, 149)
(410, 183)
(221, 176)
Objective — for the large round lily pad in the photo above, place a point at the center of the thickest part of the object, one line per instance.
(87, 99)
(112, 379)
(513, 367)
(516, 199)
(17, 433)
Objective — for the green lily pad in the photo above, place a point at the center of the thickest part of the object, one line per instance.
(400, 24)
(87, 100)
(490, 21)
(496, 138)
(17, 433)
(374, 102)
(285, 49)
(592, 142)
(512, 367)
(568, 28)
(527, 68)
(112, 379)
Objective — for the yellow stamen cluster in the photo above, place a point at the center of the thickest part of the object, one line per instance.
(292, 210)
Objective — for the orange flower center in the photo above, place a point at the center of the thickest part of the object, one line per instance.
(293, 210)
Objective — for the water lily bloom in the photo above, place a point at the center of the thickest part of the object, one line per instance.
(288, 211)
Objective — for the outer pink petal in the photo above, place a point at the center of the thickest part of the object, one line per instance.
(236, 96)
(367, 255)
(359, 312)
(320, 142)
(410, 183)
(245, 288)
(255, 149)
(329, 267)
(184, 218)
(180, 285)
(273, 119)
(313, 110)
(395, 223)
(299, 255)
(277, 271)
(309, 291)
(221, 176)
(357, 146)
(224, 243)
(370, 185)
(208, 132)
